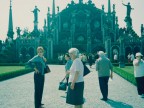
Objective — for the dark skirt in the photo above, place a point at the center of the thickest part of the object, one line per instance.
(75, 96)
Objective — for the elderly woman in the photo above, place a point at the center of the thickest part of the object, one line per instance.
(139, 73)
(38, 64)
(76, 80)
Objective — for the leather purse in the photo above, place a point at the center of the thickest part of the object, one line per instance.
(62, 85)
(47, 69)
(86, 70)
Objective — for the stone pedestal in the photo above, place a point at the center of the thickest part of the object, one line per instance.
(128, 21)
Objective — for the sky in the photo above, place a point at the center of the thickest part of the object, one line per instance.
(23, 17)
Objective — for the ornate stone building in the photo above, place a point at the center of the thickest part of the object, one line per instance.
(84, 26)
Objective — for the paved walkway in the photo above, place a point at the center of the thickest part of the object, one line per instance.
(19, 92)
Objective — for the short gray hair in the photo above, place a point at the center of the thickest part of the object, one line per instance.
(74, 51)
(101, 53)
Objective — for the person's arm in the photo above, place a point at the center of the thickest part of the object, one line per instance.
(32, 63)
(67, 67)
(111, 68)
(111, 74)
(96, 63)
(45, 60)
(67, 71)
(124, 4)
(77, 72)
(75, 79)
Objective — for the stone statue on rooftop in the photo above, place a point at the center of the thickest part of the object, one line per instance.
(35, 11)
(129, 8)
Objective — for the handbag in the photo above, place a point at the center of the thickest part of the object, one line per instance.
(86, 70)
(63, 85)
(47, 69)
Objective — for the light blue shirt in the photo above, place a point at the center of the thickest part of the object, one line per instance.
(68, 65)
(37, 62)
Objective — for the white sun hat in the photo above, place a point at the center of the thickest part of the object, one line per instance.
(138, 54)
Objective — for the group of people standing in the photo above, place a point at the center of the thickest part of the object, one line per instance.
(76, 79)
(74, 69)
(86, 58)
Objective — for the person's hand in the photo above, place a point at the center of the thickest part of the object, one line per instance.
(36, 71)
(68, 72)
(44, 59)
(72, 86)
(111, 75)
(67, 75)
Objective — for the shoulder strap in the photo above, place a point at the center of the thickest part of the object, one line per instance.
(63, 79)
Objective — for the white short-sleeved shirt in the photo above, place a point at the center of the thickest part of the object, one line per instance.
(77, 65)
(138, 70)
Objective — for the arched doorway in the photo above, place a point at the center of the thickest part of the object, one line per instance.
(114, 50)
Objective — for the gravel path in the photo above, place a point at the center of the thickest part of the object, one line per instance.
(19, 92)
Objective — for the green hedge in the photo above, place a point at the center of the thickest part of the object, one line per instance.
(12, 64)
(50, 61)
(128, 76)
(126, 64)
(12, 74)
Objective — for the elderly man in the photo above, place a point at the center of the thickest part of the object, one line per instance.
(105, 70)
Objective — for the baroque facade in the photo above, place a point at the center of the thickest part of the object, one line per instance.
(84, 26)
